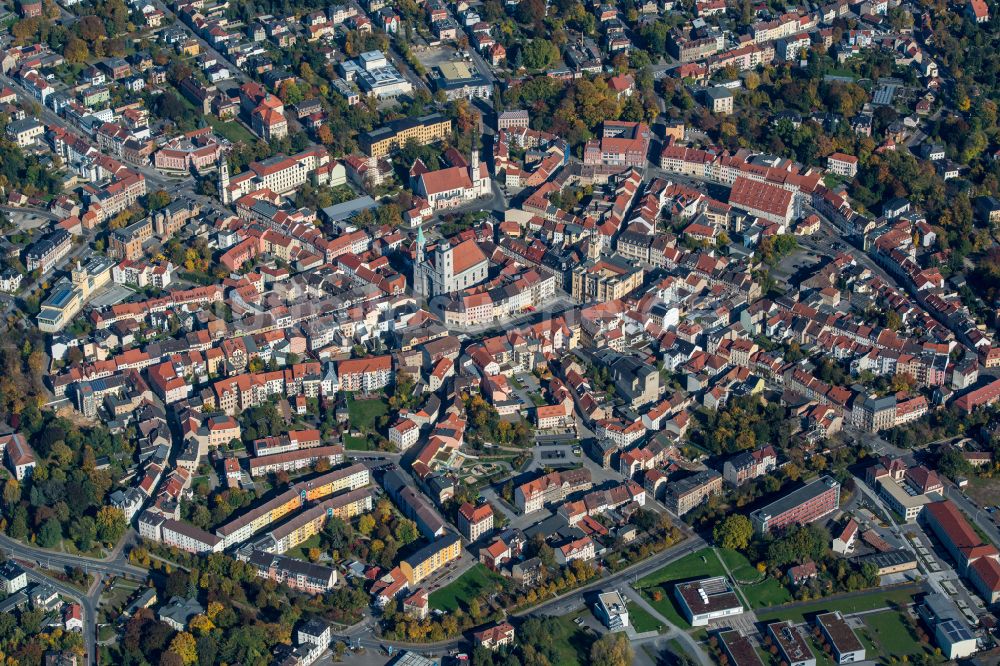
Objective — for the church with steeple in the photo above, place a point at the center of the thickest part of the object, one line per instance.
(459, 183)
(446, 267)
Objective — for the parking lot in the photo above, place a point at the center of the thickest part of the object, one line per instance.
(433, 56)
(25, 220)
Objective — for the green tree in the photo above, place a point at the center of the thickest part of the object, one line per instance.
(83, 532)
(611, 650)
(406, 532)
(51, 533)
(539, 54)
(186, 647)
(18, 528)
(366, 524)
(735, 532)
(952, 464)
(157, 199)
(111, 524)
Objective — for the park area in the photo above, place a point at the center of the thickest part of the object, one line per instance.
(364, 415)
(473, 583)
(756, 589)
(856, 603)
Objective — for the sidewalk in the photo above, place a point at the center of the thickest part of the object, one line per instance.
(689, 643)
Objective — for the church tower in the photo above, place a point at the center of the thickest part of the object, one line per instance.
(419, 267)
(480, 185)
(224, 180)
(443, 272)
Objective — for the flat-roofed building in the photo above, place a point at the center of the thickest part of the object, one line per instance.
(951, 630)
(902, 499)
(611, 610)
(891, 562)
(844, 643)
(707, 599)
(791, 644)
(803, 505)
(739, 649)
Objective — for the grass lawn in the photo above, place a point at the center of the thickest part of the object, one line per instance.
(302, 550)
(891, 632)
(575, 650)
(641, 619)
(699, 564)
(822, 658)
(767, 593)
(364, 413)
(983, 490)
(879, 598)
(352, 443)
(461, 591)
(739, 565)
(231, 130)
(695, 565)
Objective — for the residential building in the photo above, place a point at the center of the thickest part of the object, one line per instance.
(842, 165)
(749, 465)
(25, 132)
(404, 434)
(177, 612)
(314, 631)
(577, 549)
(292, 461)
(621, 145)
(431, 558)
(605, 279)
(692, 491)
(513, 119)
(295, 573)
(18, 455)
(719, 100)
(12, 577)
(550, 489)
(475, 522)
(366, 375)
(491, 638)
(844, 542)
(44, 254)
